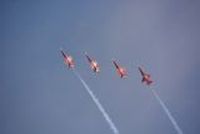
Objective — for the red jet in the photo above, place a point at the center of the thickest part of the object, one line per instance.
(68, 60)
(120, 70)
(93, 64)
(145, 77)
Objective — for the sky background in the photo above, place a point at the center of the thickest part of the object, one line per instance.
(39, 95)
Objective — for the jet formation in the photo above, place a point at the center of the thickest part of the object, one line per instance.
(121, 71)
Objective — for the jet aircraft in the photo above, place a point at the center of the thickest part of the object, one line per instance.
(120, 70)
(145, 76)
(93, 63)
(68, 60)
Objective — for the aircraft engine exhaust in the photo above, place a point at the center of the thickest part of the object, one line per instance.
(166, 110)
(98, 104)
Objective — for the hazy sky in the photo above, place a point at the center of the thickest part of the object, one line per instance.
(39, 95)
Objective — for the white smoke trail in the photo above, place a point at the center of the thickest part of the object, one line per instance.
(171, 118)
(98, 104)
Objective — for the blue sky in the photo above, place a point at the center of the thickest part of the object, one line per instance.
(40, 95)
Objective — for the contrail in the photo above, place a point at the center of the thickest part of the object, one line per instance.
(171, 118)
(98, 104)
